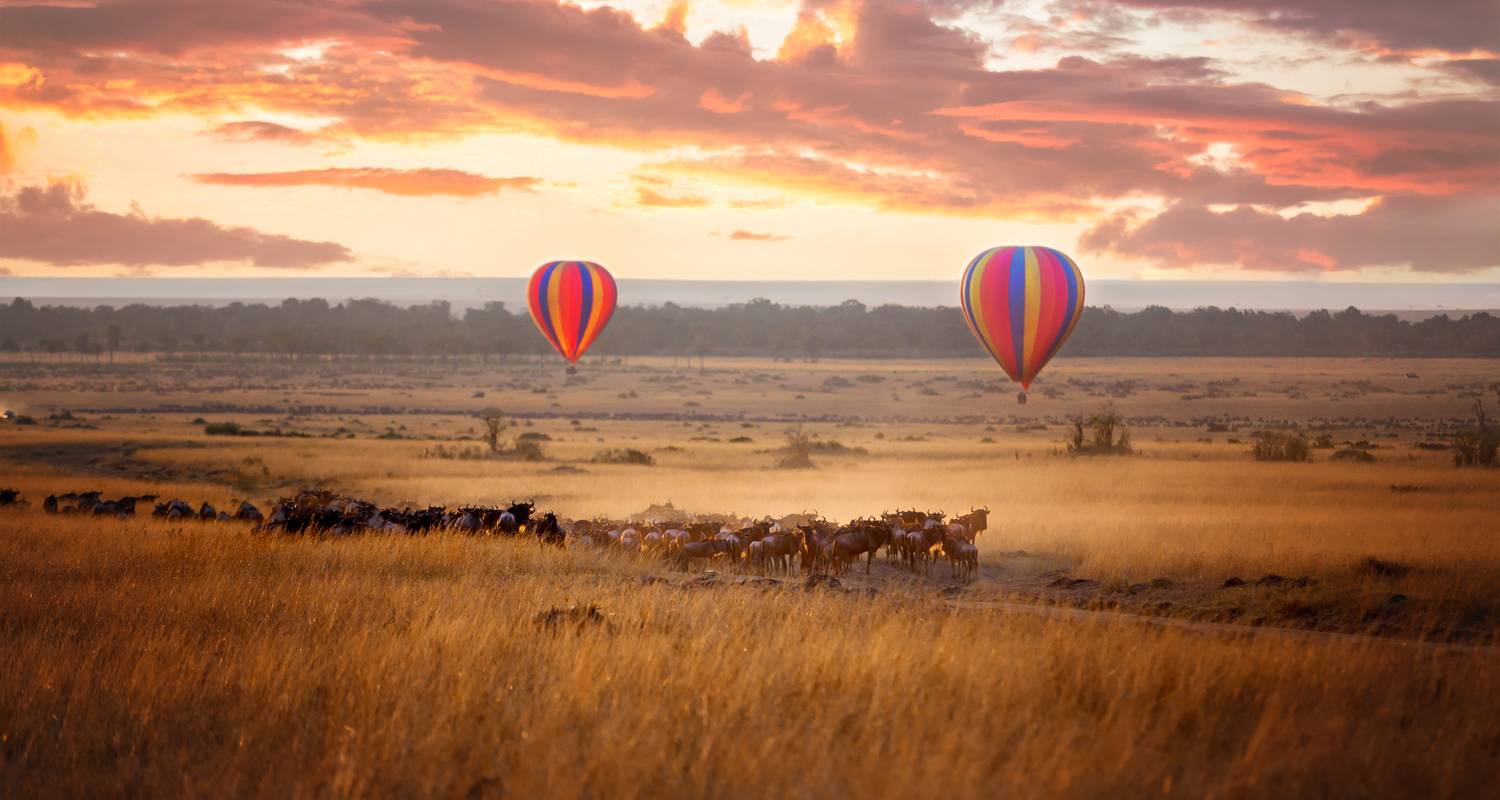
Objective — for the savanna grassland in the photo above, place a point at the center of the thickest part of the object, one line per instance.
(1099, 650)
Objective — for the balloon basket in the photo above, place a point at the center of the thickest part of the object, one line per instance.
(1020, 398)
(572, 369)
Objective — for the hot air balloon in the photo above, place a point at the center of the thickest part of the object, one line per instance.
(571, 302)
(1021, 304)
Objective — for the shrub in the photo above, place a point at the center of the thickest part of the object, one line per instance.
(1102, 433)
(1479, 446)
(797, 454)
(1353, 454)
(624, 455)
(223, 429)
(1275, 445)
(836, 447)
(525, 450)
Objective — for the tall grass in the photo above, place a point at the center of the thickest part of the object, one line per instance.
(147, 660)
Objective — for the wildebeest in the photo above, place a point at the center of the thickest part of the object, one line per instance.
(919, 546)
(247, 512)
(699, 551)
(860, 537)
(968, 526)
(962, 557)
(548, 531)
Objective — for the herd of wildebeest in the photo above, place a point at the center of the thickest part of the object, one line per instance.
(767, 545)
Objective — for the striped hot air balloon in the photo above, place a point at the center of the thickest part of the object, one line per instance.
(1021, 304)
(571, 302)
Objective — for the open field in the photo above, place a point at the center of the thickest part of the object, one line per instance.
(186, 658)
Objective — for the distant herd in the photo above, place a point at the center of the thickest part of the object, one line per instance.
(917, 539)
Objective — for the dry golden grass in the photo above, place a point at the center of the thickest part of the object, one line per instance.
(147, 660)
(143, 658)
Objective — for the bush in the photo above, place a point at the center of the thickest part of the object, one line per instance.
(1353, 454)
(836, 447)
(224, 429)
(1273, 445)
(1479, 446)
(525, 450)
(797, 454)
(624, 455)
(1102, 433)
(1476, 448)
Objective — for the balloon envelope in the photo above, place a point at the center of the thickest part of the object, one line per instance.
(571, 302)
(1021, 304)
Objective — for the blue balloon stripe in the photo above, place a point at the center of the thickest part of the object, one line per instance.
(586, 307)
(1017, 298)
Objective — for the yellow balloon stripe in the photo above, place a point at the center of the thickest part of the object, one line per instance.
(976, 308)
(591, 279)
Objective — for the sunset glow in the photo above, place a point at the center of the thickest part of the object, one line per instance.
(728, 139)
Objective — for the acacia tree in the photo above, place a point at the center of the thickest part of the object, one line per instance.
(113, 336)
(1480, 446)
(494, 424)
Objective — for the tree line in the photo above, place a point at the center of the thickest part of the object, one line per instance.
(756, 328)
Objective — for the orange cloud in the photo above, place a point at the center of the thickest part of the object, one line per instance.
(7, 157)
(884, 105)
(676, 19)
(405, 182)
(647, 196)
(711, 100)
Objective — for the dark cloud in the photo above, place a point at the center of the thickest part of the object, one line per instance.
(1481, 69)
(55, 225)
(178, 27)
(406, 182)
(1426, 234)
(1455, 26)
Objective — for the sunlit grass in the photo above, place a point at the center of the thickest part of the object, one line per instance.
(143, 659)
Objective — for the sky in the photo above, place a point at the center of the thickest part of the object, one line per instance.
(1337, 140)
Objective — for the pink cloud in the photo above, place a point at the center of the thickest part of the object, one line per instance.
(55, 225)
(902, 111)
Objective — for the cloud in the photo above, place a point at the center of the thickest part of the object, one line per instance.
(1447, 234)
(7, 156)
(55, 225)
(647, 196)
(1458, 26)
(751, 236)
(405, 182)
(261, 131)
(885, 105)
